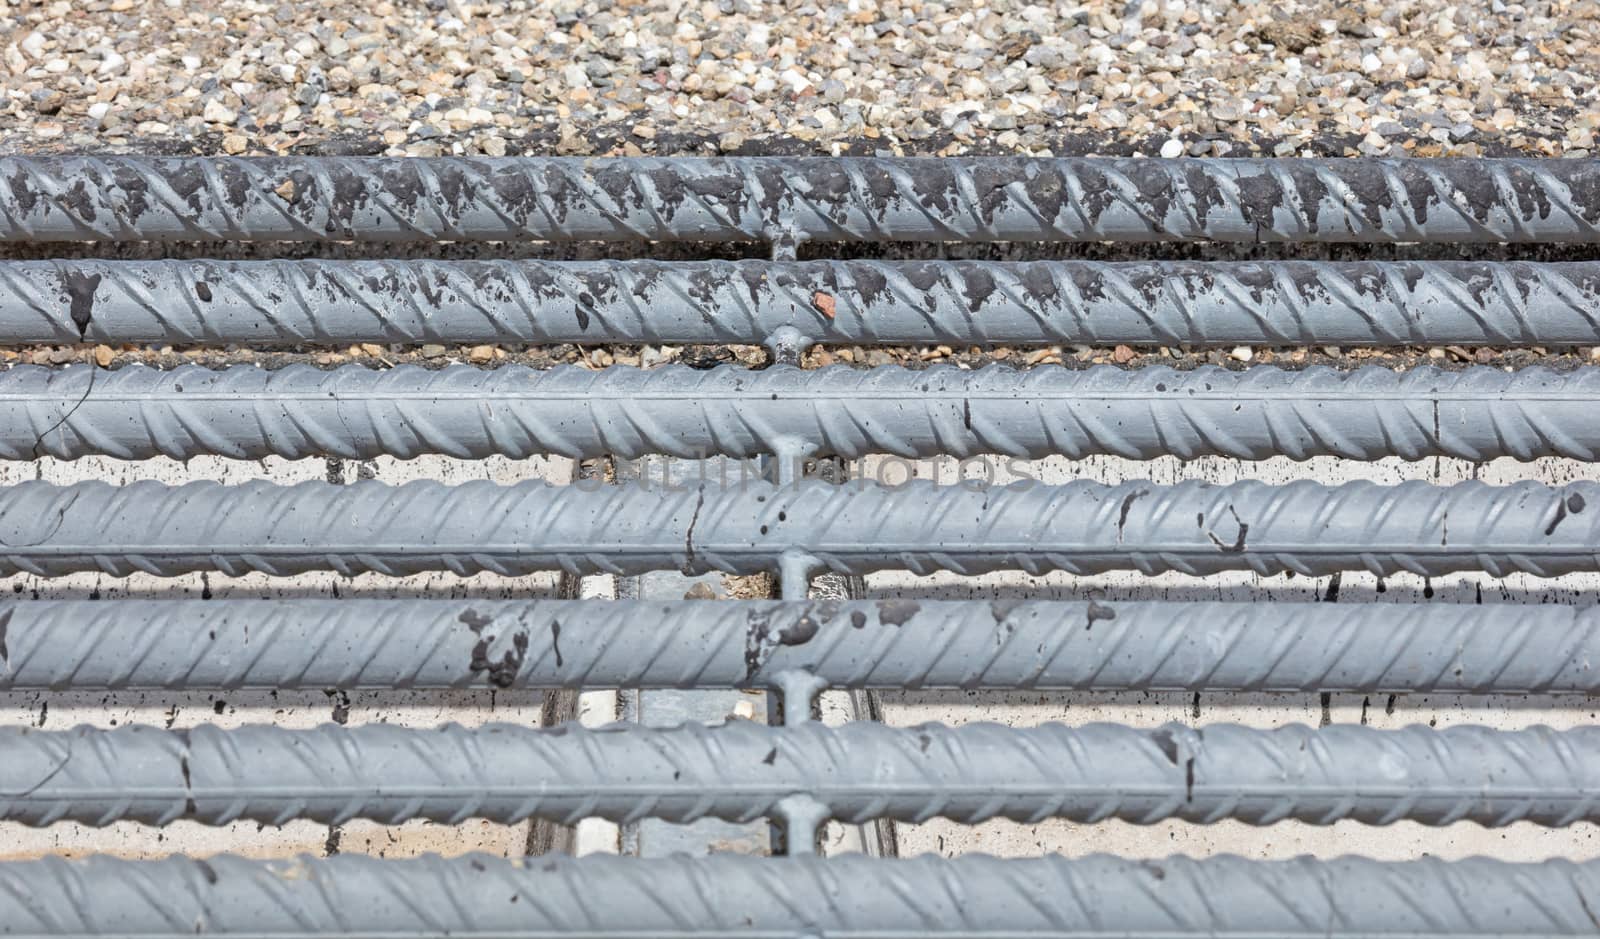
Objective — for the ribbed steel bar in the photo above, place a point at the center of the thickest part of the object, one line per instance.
(741, 771)
(957, 199)
(853, 897)
(753, 526)
(353, 412)
(1363, 303)
(1099, 645)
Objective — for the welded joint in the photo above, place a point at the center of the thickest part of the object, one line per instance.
(795, 568)
(784, 237)
(786, 344)
(791, 453)
(802, 817)
(798, 688)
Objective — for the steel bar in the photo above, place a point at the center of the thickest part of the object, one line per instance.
(783, 199)
(1361, 303)
(741, 771)
(852, 897)
(357, 413)
(1098, 645)
(751, 526)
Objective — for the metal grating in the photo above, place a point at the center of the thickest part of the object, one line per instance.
(777, 517)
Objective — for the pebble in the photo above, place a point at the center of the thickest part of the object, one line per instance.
(1172, 148)
(217, 113)
(1242, 353)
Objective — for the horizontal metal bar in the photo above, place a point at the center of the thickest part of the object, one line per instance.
(741, 771)
(753, 526)
(358, 413)
(1361, 303)
(853, 896)
(960, 199)
(1098, 645)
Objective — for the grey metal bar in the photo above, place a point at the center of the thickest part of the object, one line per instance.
(1099, 645)
(358, 413)
(781, 199)
(741, 771)
(750, 527)
(850, 897)
(1362, 303)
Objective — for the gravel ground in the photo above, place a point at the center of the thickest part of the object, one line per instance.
(431, 77)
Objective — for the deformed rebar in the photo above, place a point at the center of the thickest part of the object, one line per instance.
(1360, 303)
(741, 771)
(352, 412)
(1098, 645)
(74, 198)
(854, 897)
(751, 526)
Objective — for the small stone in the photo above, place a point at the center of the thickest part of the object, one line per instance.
(1242, 353)
(103, 355)
(644, 131)
(432, 350)
(1172, 148)
(481, 353)
(234, 143)
(1371, 64)
(47, 100)
(824, 303)
(1290, 36)
(285, 190)
(1122, 355)
(218, 113)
